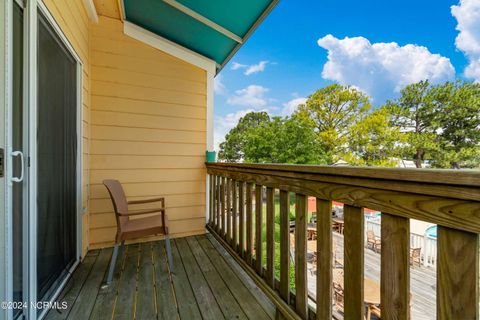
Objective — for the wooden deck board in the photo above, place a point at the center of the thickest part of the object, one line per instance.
(88, 294)
(105, 302)
(229, 306)
(204, 296)
(206, 284)
(187, 305)
(166, 303)
(247, 301)
(74, 285)
(127, 289)
(145, 308)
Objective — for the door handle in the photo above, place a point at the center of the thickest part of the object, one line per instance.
(16, 154)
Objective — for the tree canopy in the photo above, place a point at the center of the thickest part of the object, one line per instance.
(435, 125)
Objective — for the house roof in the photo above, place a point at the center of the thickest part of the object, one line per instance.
(215, 29)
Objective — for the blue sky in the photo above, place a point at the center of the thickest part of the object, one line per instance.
(302, 46)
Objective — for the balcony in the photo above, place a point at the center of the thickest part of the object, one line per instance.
(241, 271)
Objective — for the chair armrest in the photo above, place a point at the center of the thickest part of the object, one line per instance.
(139, 212)
(160, 199)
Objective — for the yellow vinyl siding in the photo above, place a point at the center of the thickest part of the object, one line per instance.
(72, 18)
(148, 130)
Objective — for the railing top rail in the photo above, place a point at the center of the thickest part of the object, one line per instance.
(434, 176)
(435, 197)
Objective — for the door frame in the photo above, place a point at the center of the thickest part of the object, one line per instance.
(31, 9)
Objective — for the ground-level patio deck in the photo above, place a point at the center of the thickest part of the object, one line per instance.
(206, 284)
(422, 281)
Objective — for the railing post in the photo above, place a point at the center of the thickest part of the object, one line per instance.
(249, 234)
(301, 294)
(284, 246)
(324, 259)
(228, 234)
(241, 218)
(395, 269)
(234, 240)
(354, 268)
(270, 273)
(258, 227)
(217, 207)
(457, 274)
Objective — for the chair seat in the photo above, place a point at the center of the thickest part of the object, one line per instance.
(140, 227)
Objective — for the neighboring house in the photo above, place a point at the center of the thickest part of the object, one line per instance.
(92, 90)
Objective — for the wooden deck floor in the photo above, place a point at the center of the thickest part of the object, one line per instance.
(206, 284)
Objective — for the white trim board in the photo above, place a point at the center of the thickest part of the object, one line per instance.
(172, 48)
(91, 10)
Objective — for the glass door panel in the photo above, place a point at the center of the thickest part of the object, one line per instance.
(57, 160)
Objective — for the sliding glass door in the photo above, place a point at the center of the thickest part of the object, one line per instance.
(56, 160)
(17, 134)
(43, 130)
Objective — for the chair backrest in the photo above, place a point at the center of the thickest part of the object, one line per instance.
(119, 199)
(370, 234)
(416, 252)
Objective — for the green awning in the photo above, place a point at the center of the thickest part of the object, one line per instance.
(215, 29)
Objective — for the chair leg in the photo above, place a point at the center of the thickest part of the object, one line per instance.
(112, 264)
(122, 250)
(169, 252)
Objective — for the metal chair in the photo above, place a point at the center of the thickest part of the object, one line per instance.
(128, 229)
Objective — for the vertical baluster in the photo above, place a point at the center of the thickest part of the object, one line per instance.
(241, 218)
(324, 259)
(457, 274)
(301, 302)
(284, 246)
(228, 212)
(213, 200)
(210, 200)
(270, 274)
(249, 223)
(354, 268)
(395, 272)
(234, 242)
(258, 228)
(222, 207)
(217, 207)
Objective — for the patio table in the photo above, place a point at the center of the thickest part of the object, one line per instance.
(371, 288)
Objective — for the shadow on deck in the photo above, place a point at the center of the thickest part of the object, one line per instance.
(206, 284)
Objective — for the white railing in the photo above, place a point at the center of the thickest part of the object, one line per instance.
(427, 244)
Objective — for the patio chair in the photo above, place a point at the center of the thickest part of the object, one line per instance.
(128, 229)
(338, 297)
(373, 241)
(415, 256)
(373, 310)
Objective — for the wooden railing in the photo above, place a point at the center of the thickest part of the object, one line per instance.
(448, 198)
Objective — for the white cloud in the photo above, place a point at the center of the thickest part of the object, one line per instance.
(254, 68)
(236, 66)
(250, 69)
(291, 106)
(380, 69)
(467, 14)
(218, 85)
(251, 96)
(224, 124)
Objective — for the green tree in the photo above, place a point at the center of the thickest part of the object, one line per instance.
(457, 119)
(284, 140)
(232, 148)
(332, 111)
(414, 113)
(374, 140)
